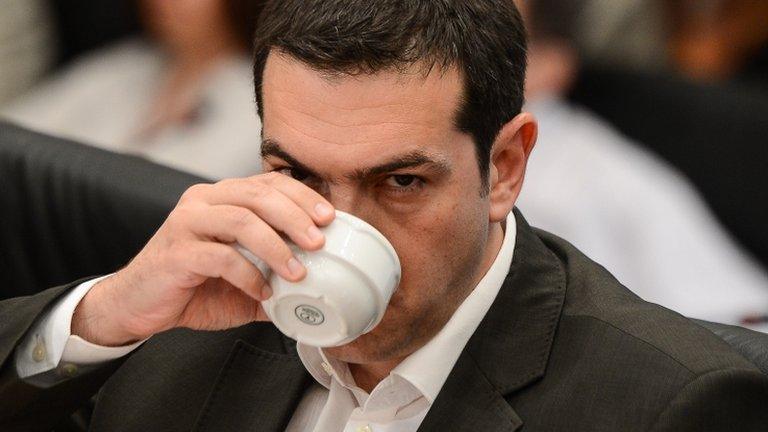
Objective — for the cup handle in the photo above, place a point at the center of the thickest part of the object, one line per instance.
(258, 262)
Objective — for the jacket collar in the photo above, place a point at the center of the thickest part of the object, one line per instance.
(510, 348)
(513, 343)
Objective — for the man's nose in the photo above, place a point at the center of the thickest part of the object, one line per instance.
(349, 200)
(344, 200)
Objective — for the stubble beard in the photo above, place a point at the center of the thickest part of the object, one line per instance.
(407, 331)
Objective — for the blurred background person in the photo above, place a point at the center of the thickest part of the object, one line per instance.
(26, 41)
(720, 40)
(702, 40)
(624, 207)
(182, 95)
(621, 33)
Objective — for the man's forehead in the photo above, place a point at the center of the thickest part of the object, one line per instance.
(353, 106)
(286, 69)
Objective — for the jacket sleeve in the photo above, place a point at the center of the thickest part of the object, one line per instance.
(722, 400)
(41, 401)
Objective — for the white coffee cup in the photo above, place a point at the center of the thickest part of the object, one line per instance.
(347, 288)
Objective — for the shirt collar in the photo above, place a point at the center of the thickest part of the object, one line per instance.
(428, 367)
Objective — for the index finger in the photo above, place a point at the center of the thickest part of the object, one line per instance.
(310, 201)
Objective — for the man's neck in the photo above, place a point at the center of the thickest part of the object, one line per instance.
(368, 375)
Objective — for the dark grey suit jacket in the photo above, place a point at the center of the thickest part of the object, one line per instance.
(563, 348)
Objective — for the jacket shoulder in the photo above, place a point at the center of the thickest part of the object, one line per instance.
(620, 363)
(596, 300)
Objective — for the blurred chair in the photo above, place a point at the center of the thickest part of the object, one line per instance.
(70, 210)
(714, 134)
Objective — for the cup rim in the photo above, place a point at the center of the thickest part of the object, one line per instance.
(356, 222)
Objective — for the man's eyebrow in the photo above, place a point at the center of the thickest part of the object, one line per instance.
(408, 160)
(270, 147)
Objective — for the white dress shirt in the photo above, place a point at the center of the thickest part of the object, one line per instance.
(334, 403)
(51, 344)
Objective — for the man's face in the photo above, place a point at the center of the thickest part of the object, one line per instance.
(384, 148)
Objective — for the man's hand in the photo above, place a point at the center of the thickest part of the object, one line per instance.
(189, 273)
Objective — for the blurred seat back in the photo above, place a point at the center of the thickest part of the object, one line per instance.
(70, 210)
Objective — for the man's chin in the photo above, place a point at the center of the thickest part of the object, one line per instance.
(380, 345)
(368, 348)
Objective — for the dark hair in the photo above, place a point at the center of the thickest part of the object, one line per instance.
(484, 39)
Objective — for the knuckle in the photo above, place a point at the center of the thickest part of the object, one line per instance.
(182, 211)
(175, 255)
(240, 217)
(271, 177)
(227, 182)
(227, 258)
(194, 192)
(211, 258)
(261, 190)
(179, 217)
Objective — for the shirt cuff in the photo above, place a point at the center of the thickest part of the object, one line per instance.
(50, 342)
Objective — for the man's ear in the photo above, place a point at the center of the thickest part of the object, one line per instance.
(509, 157)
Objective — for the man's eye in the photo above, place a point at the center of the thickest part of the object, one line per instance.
(295, 173)
(403, 180)
(402, 183)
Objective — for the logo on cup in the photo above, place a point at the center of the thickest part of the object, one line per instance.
(309, 315)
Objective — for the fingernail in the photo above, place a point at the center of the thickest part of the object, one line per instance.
(266, 292)
(323, 210)
(295, 267)
(314, 234)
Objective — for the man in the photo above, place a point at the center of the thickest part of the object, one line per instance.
(406, 114)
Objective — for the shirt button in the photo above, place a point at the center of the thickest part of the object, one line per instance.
(38, 352)
(69, 370)
(327, 368)
(365, 428)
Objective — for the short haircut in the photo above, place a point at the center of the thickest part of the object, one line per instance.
(484, 39)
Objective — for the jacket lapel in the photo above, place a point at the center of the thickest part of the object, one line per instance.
(256, 390)
(510, 348)
(468, 402)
